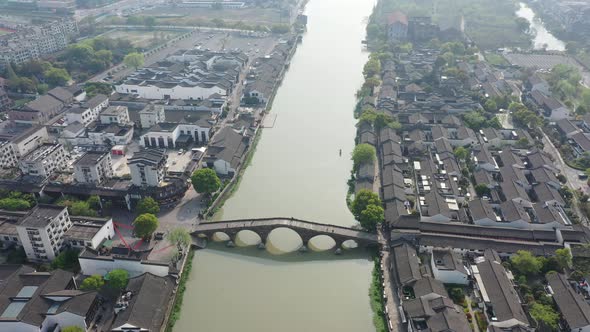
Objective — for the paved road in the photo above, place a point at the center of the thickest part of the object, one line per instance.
(571, 174)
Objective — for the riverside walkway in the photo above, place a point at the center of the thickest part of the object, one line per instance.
(305, 229)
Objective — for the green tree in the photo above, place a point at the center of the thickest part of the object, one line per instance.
(72, 328)
(525, 263)
(363, 199)
(14, 204)
(117, 279)
(82, 208)
(134, 60)
(94, 282)
(474, 120)
(545, 314)
(490, 106)
(93, 202)
(66, 260)
(56, 77)
(482, 190)
(148, 205)
(94, 88)
(461, 153)
(179, 237)
(371, 217)
(363, 153)
(205, 181)
(563, 257)
(372, 68)
(145, 225)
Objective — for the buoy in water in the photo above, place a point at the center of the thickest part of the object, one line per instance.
(230, 244)
(338, 251)
(340, 152)
(261, 246)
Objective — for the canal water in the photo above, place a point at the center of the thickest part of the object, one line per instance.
(543, 39)
(297, 171)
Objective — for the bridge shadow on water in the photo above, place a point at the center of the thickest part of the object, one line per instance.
(261, 255)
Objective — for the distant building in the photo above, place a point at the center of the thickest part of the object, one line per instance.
(421, 29)
(397, 26)
(572, 305)
(115, 114)
(37, 111)
(175, 135)
(148, 167)
(151, 115)
(41, 231)
(17, 140)
(44, 160)
(5, 102)
(448, 267)
(93, 167)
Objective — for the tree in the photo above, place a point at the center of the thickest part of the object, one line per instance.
(179, 237)
(82, 208)
(461, 153)
(563, 257)
(56, 77)
(148, 205)
(490, 106)
(117, 279)
(94, 202)
(205, 181)
(474, 120)
(545, 314)
(372, 216)
(525, 263)
(363, 199)
(482, 190)
(94, 88)
(372, 68)
(14, 204)
(134, 60)
(363, 153)
(145, 225)
(72, 328)
(66, 260)
(94, 282)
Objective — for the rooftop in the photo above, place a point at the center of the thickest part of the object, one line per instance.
(41, 215)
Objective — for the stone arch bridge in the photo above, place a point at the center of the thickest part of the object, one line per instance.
(307, 230)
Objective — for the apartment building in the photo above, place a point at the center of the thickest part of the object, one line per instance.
(44, 160)
(148, 167)
(115, 114)
(93, 167)
(41, 231)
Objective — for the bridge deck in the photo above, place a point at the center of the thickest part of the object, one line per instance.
(295, 224)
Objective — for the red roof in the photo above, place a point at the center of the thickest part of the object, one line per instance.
(397, 17)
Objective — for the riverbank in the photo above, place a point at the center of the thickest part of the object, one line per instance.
(179, 295)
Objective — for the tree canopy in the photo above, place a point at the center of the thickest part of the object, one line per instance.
(94, 282)
(564, 257)
(148, 205)
(145, 225)
(72, 328)
(461, 153)
(205, 181)
(179, 237)
(482, 190)
(526, 263)
(134, 60)
(545, 314)
(371, 216)
(363, 199)
(118, 279)
(363, 153)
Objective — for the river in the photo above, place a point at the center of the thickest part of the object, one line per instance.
(543, 39)
(297, 171)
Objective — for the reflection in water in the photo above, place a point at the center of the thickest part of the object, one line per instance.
(321, 243)
(543, 39)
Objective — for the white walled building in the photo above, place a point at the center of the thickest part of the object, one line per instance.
(96, 104)
(115, 114)
(161, 90)
(8, 157)
(173, 135)
(41, 231)
(80, 114)
(93, 263)
(151, 115)
(29, 140)
(448, 268)
(44, 161)
(93, 167)
(148, 167)
(87, 232)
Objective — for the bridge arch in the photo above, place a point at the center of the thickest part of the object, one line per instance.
(284, 240)
(247, 237)
(321, 242)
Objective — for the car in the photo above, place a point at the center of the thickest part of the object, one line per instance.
(582, 176)
(159, 235)
(181, 151)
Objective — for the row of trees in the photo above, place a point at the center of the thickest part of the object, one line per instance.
(77, 207)
(16, 201)
(35, 76)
